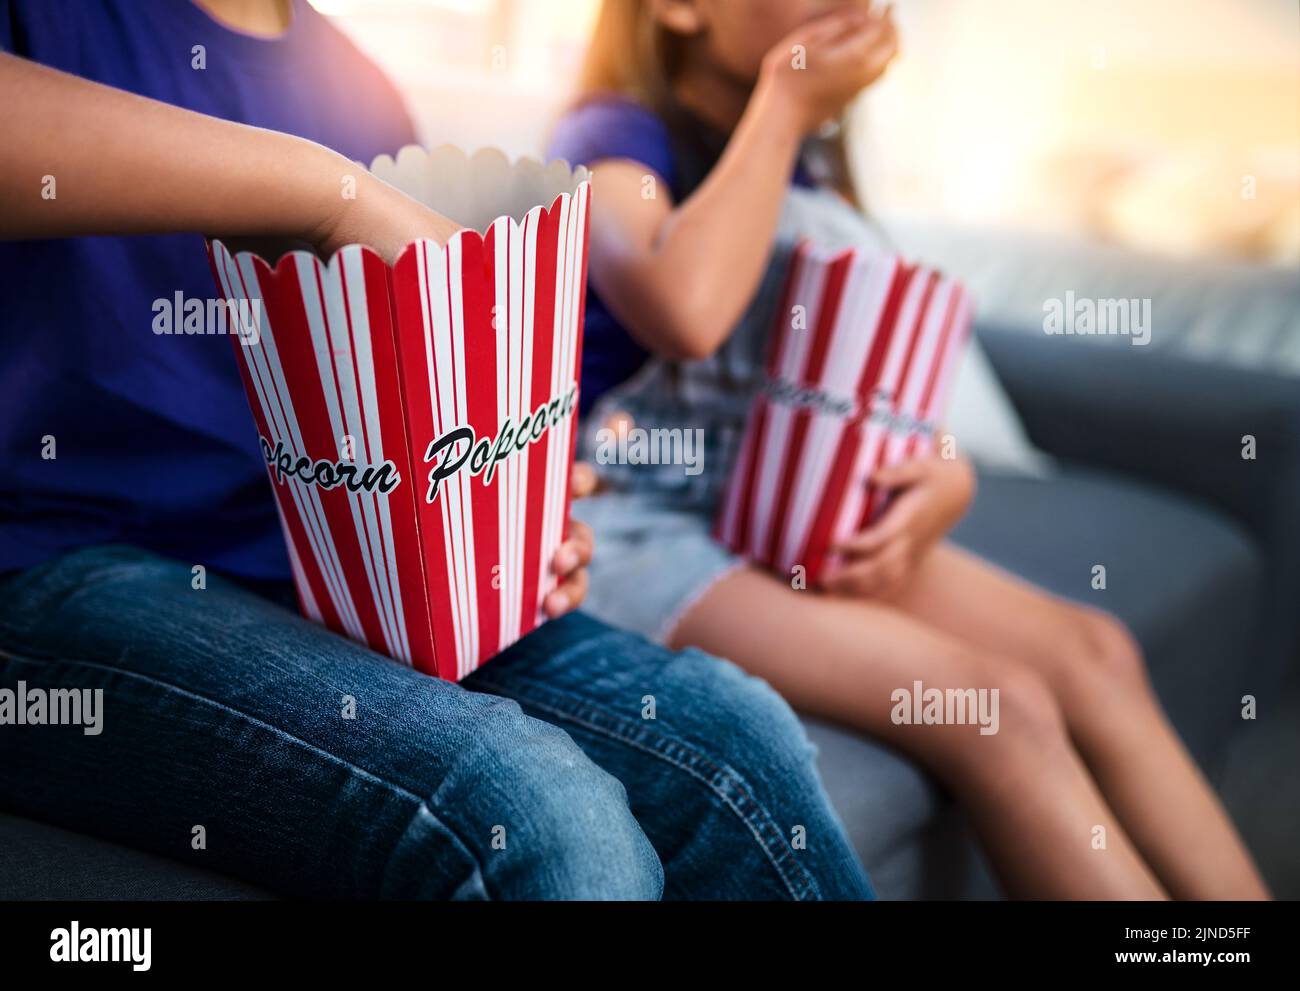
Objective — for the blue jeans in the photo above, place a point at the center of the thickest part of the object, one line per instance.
(582, 763)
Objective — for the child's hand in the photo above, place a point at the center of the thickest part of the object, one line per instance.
(842, 54)
(128, 165)
(573, 556)
(379, 215)
(931, 494)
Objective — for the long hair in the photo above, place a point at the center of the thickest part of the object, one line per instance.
(631, 54)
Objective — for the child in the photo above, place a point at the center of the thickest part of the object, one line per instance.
(314, 766)
(705, 122)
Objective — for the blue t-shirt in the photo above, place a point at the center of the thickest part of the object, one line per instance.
(607, 127)
(152, 441)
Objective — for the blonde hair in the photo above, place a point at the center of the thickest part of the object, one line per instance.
(630, 54)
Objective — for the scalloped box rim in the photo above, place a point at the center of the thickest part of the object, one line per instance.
(579, 174)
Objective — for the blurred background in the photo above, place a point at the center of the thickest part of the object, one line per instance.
(1172, 125)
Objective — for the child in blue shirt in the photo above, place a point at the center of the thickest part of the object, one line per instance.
(315, 766)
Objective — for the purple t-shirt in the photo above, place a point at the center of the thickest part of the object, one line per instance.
(615, 127)
(151, 439)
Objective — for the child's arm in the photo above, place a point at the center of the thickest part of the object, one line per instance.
(678, 277)
(124, 164)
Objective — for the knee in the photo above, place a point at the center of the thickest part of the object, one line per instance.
(738, 719)
(1030, 716)
(554, 825)
(510, 807)
(1022, 725)
(1102, 656)
(587, 843)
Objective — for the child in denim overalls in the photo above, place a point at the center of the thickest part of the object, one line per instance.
(693, 117)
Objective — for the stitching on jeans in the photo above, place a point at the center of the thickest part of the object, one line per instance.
(35, 657)
(662, 748)
(593, 645)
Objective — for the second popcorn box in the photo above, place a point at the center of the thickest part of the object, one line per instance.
(418, 420)
(860, 364)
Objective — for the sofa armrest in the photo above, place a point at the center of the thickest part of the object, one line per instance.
(1177, 423)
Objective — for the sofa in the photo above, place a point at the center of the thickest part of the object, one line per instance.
(1203, 557)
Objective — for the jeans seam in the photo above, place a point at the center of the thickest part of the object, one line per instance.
(567, 707)
(420, 803)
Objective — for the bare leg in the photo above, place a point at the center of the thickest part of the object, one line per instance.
(1028, 793)
(1097, 675)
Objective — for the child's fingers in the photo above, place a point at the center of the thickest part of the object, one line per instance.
(874, 537)
(860, 42)
(900, 516)
(876, 28)
(873, 577)
(583, 541)
(887, 46)
(575, 552)
(582, 480)
(568, 596)
(829, 28)
(889, 33)
(903, 473)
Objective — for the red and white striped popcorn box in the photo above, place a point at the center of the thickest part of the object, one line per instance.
(861, 359)
(418, 420)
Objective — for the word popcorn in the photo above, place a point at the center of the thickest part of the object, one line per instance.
(487, 453)
(329, 474)
(882, 409)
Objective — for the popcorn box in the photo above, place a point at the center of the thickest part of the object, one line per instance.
(417, 420)
(860, 363)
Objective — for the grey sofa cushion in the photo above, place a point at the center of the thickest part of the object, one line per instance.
(1181, 575)
(1178, 424)
(39, 861)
